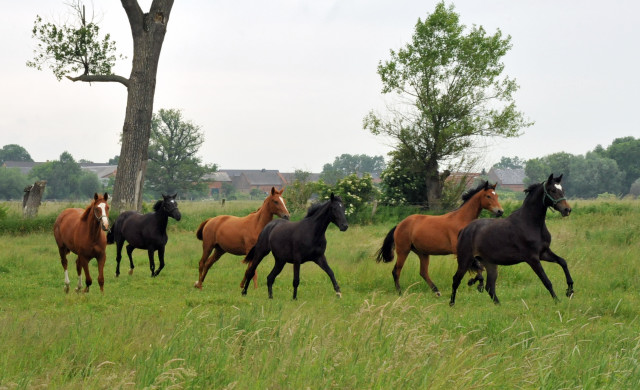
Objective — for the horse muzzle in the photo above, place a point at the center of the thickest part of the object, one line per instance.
(498, 213)
(285, 216)
(343, 227)
(564, 208)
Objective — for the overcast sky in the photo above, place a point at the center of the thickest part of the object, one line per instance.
(285, 84)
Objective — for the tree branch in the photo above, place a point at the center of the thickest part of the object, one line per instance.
(135, 15)
(100, 78)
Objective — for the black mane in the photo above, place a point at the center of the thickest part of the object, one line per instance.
(157, 206)
(532, 187)
(314, 208)
(469, 194)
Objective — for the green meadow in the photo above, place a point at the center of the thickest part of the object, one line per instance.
(161, 332)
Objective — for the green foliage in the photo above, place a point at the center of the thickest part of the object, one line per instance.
(402, 182)
(73, 48)
(65, 179)
(3, 211)
(626, 152)
(347, 164)
(356, 193)
(635, 188)
(174, 166)
(13, 152)
(510, 163)
(449, 91)
(12, 183)
(583, 176)
(299, 192)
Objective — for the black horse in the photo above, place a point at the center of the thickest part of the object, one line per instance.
(148, 231)
(521, 237)
(297, 243)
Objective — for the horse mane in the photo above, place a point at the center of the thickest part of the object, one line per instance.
(157, 206)
(532, 187)
(470, 193)
(314, 208)
(85, 214)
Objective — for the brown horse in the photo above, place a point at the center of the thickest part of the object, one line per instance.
(236, 235)
(428, 235)
(83, 233)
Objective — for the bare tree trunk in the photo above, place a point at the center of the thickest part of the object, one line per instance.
(148, 31)
(32, 199)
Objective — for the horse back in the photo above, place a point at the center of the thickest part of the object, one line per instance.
(430, 234)
(233, 234)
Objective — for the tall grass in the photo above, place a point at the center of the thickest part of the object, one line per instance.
(162, 333)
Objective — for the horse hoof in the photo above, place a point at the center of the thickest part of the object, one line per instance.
(339, 294)
(66, 289)
(570, 294)
(451, 303)
(131, 271)
(480, 289)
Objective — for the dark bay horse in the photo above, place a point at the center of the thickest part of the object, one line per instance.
(521, 237)
(236, 235)
(427, 235)
(81, 231)
(297, 243)
(148, 231)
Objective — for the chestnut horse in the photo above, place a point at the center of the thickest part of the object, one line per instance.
(83, 233)
(236, 235)
(428, 235)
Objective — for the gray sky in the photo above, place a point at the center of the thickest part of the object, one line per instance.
(284, 84)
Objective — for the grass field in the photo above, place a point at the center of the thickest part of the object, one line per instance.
(163, 333)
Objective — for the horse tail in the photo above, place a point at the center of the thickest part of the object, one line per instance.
(385, 253)
(249, 257)
(200, 229)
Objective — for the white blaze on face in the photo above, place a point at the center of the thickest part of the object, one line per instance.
(493, 192)
(283, 205)
(105, 219)
(558, 186)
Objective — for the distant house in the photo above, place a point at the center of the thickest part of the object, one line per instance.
(24, 166)
(512, 179)
(244, 180)
(290, 177)
(215, 181)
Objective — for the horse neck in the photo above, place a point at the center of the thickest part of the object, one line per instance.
(263, 216)
(321, 220)
(534, 208)
(92, 223)
(470, 209)
(163, 219)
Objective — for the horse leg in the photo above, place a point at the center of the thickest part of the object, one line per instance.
(322, 262)
(251, 268)
(119, 245)
(537, 268)
(464, 260)
(79, 269)
(87, 276)
(277, 268)
(130, 249)
(548, 255)
(63, 259)
(207, 262)
(492, 275)
(160, 259)
(296, 279)
(152, 263)
(424, 272)
(402, 254)
(244, 278)
(101, 260)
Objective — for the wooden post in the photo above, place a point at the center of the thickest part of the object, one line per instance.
(32, 199)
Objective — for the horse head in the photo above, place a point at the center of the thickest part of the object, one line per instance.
(170, 206)
(554, 195)
(489, 199)
(337, 213)
(275, 204)
(101, 210)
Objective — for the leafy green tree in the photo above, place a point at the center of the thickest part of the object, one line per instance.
(635, 188)
(450, 91)
(13, 152)
(73, 48)
(626, 152)
(356, 192)
(12, 183)
(593, 174)
(173, 164)
(65, 179)
(114, 160)
(299, 192)
(347, 164)
(510, 163)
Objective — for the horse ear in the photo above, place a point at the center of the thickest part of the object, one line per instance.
(95, 196)
(494, 186)
(174, 195)
(550, 178)
(273, 190)
(106, 196)
(332, 197)
(486, 185)
(557, 179)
